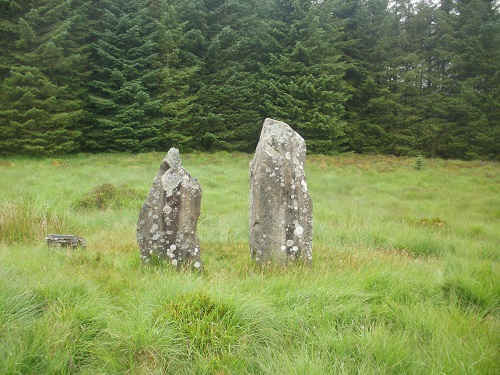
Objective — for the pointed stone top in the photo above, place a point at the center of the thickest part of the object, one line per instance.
(173, 159)
(173, 171)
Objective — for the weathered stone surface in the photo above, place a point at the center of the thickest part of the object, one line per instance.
(280, 205)
(167, 221)
(65, 240)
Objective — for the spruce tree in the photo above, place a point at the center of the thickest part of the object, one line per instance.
(222, 40)
(10, 13)
(302, 84)
(459, 98)
(178, 76)
(123, 95)
(41, 98)
(364, 50)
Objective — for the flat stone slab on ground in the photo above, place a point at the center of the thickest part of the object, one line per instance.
(65, 240)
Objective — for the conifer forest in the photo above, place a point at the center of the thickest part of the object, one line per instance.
(396, 77)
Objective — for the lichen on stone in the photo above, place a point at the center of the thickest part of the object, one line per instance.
(168, 219)
(279, 198)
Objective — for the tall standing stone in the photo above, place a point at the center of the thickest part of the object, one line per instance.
(167, 221)
(280, 205)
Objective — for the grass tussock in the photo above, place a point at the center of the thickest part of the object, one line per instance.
(107, 196)
(27, 223)
(204, 322)
(405, 276)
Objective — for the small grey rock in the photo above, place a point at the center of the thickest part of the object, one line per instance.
(65, 240)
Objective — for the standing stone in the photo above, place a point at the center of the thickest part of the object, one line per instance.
(167, 222)
(280, 205)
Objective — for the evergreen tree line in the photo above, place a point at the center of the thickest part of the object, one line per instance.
(395, 77)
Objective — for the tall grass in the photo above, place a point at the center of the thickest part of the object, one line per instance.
(405, 279)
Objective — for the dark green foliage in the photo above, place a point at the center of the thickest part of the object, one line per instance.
(41, 102)
(416, 90)
(419, 162)
(37, 121)
(10, 14)
(399, 77)
(302, 84)
(224, 42)
(125, 82)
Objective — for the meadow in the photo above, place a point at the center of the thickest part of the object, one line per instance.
(405, 276)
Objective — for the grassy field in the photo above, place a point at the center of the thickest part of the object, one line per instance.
(405, 276)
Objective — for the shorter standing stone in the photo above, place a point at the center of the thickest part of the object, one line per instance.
(65, 240)
(167, 221)
(280, 205)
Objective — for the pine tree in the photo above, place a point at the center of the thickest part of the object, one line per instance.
(364, 48)
(476, 105)
(221, 41)
(10, 13)
(302, 84)
(178, 77)
(459, 96)
(36, 121)
(41, 98)
(124, 89)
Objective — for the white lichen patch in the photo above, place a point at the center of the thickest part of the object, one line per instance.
(278, 168)
(170, 181)
(303, 186)
(299, 231)
(158, 213)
